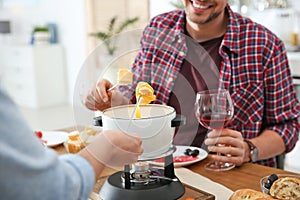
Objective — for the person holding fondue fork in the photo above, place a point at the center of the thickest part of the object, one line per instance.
(250, 62)
(29, 170)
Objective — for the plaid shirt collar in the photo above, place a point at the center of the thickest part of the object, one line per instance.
(232, 32)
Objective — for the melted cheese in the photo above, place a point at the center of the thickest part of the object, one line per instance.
(144, 94)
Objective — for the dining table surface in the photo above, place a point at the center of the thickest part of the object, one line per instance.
(246, 176)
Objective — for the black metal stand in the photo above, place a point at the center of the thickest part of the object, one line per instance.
(127, 176)
(169, 167)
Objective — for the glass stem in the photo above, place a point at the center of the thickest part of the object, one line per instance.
(219, 131)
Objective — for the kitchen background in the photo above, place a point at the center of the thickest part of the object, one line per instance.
(39, 68)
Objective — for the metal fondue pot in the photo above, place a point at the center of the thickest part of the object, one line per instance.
(156, 126)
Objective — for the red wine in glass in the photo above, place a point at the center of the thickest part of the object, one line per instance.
(214, 120)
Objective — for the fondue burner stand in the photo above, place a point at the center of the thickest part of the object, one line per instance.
(143, 182)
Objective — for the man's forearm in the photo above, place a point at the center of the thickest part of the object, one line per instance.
(269, 144)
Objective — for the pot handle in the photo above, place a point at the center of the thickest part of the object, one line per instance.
(179, 120)
(98, 121)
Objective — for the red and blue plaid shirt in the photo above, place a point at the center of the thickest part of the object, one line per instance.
(254, 68)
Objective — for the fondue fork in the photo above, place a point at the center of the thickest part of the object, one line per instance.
(116, 85)
(113, 87)
(133, 113)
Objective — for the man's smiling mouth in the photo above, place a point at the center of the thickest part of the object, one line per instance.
(199, 5)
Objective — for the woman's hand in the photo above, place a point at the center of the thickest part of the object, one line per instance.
(115, 148)
(232, 147)
(112, 148)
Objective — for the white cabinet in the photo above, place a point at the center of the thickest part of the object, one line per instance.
(34, 76)
(294, 62)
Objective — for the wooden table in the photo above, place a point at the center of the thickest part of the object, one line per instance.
(246, 176)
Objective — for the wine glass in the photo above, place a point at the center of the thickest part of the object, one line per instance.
(214, 109)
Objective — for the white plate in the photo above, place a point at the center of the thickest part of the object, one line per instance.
(180, 152)
(54, 138)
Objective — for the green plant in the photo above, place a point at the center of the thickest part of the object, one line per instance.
(40, 29)
(178, 4)
(113, 30)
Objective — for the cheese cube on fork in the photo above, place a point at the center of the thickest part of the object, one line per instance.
(124, 78)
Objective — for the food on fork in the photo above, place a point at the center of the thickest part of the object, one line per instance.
(286, 188)
(144, 94)
(249, 194)
(78, 140)
(124, 77)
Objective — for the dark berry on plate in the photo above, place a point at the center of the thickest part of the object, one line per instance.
(188, 152)
(195, 153)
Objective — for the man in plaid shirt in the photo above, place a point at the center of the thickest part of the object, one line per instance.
(247, 59)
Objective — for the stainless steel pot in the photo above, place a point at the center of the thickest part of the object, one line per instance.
(155, 127)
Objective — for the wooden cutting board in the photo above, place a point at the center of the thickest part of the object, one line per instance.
(190, 192)
(196, 194)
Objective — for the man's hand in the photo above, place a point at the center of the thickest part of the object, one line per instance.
(230, 144)
(99, 98)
